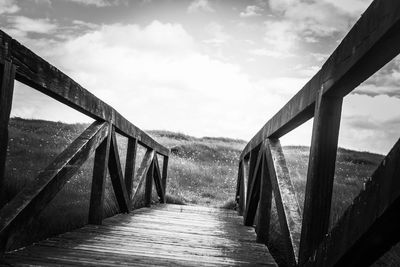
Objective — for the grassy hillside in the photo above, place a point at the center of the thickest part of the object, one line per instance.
(201, 171)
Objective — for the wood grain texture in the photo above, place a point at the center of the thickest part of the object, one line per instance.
(99, 180)
(369, 227)
(287, 206)
(365, 49)
(33, 198)
(149, 184)
(37, 73)
(320, 174)
(117, 178)
(142, 172)
(130, 165)
(7, 74)
(164, 235)
(158, 181)
(165, 172)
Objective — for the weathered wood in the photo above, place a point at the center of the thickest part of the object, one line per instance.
(157, 180)
(142, 171)
(165, 172)
(192, 236)
(130, 165)
(241, 195)
(117, 178)
(252, 162)
(149, 184)
(254, 187)
(40, 75)
(320, 174)
(32, 199)
(287, 206)
(96, 208)
(7, 74)
(369, 227)
(365, 49)
(264, 204)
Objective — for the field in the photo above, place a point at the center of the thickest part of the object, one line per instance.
(202, 171)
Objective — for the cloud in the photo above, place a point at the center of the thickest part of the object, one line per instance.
(200, 5)
(251, 11)
(218, 34)
(100, 3)
(20, 26)
(8, 6)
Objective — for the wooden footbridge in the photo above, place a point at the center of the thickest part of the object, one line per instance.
(163, 234)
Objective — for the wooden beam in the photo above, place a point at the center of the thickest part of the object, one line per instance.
(7, 73)
(142, 171)
(37, 73)
(149, 184)
(158, 181)
(96, 208)
(264, 204)
(365, 49)
(240, 190)
(252, 162)
(287, 206)
(320, 174)
(254, 187)
(34, 197)
(130, 165)
(369, 227)
(117, 178)
(165, 173)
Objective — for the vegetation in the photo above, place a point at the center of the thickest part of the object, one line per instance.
(202, 171)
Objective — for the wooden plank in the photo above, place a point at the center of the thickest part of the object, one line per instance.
(142, 171)
(165, 173)
(37, 73)
(96, 208)
(369, 227)
(7, 74)
(287, 206)
(320, 174)
(32, 199)
(117, 178)
(254, 187)
(130, 165)
(157, 180)
(252, 162)
(241, 190)
(264, 205)
(146, 240)
(365, 49)
(149, 184)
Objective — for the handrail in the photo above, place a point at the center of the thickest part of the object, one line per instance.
(19, 63)
(368, 46)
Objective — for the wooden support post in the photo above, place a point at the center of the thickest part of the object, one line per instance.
(7, 74)
(287, 206)
(117, 179)
(321, 170)
(149, 185)
(158, 181)
(251, 169)
(165, 174)
(264, 205)
(99, 180)
(254, 188)
(242, 189)
(130, 165)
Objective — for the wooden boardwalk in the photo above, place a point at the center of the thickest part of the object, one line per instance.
(164, 235)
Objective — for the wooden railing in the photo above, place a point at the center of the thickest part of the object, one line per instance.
(369, 226)
(19, 63)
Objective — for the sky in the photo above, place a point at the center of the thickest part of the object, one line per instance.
(201, 67)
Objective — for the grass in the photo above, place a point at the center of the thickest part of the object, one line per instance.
(202, 171)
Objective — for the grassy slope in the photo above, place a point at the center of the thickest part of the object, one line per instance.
(201, 170)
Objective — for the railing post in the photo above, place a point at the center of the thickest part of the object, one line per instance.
(241, 190)
(130, 165)
(99, 180)
(264, 205)
(165, 174)
(321, 169)
(149, 184)
(7, 75)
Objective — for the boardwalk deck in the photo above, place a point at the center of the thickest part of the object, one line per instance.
(164, 235)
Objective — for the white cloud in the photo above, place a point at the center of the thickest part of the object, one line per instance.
(251, 11)
(200, 5)
(218, 34)
(100, 3)
(21, 25)
(8, 6)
